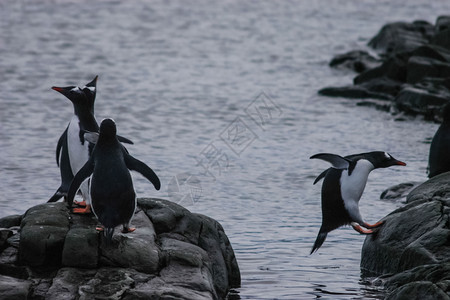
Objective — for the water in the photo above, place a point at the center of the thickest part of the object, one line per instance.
(174, 77)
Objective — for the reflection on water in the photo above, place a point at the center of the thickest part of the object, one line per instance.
(179, 80)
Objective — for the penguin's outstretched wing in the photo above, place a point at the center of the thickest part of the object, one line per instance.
(337, 162)
(84, 173)
(92, 137)
(322, 175)
(138, 166)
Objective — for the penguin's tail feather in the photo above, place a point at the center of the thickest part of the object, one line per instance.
(319, 241)
(108, 232)
(58, 195)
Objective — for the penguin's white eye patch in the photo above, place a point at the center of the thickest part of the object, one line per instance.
(387, 155)
(76, 89)
(91, 88)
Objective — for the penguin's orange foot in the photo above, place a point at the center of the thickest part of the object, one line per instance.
(100, 228)
(85, 210)
(128, 230)
(360, 229)
(377, 224)
(82, 203)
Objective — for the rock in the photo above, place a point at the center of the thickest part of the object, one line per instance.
(399, 191)
(355, 91)
(412, 247)
(394, 68)
(10, 221)
(358, 61)
(13, 288)
(43, 231)
(137, 250)
(419, 67)
(173, 254)
(442, 23)
(402, 37)
(442, 38)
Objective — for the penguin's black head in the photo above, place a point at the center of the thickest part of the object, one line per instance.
(82, 98)
(108, 128)
(382, 159)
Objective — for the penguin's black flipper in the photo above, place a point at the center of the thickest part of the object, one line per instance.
(124, 140)
(322, 175)
(84, 173)
(138, 166)
(61, 141)
(319, 241)
(338, 162)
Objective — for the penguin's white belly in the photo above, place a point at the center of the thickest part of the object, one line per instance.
(78, 153)
(352, 187)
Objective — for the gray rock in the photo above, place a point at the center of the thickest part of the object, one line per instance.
(399, 191)
(411, 249)
(137, 250)
(358, 61)
(10, 221)
(172, 254)
(13, 288)
(43, 231)
(419, 67)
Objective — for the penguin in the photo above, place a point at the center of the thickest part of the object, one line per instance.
(439, 158)
(72, 151)
(80, 97)
(343, 187)
(111, 186)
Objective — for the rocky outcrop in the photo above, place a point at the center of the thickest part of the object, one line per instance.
(411, 251)
(412, 72)
(50, 253)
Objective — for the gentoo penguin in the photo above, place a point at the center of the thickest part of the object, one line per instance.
(342, 188)
(439, 158)
(72, 151)
(83, 102)
(111, 188)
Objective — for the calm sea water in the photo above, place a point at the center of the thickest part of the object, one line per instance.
(185, 83)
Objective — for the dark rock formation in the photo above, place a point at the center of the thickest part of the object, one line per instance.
(413, 71)
(411, 250)
(173, 254)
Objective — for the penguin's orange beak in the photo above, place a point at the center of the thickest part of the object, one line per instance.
(58, 89)
(400, 163)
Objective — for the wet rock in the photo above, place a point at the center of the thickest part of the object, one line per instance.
(13, 288)
(413, 244)
(399, 191)
(43, 231)
(358, 61)
(137, 250)
(419, 67)
(354, 91)
(402, 36)
(10, 221)
(173, 254)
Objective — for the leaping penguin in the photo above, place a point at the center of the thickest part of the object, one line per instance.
(343, 187)
(111, 188)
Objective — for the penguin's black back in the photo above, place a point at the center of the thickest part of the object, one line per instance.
(334, 213)
(112, 192)
(439, 159)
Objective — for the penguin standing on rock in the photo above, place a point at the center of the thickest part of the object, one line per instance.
(343, 187)
(72, 150)
(111, 188)
(439, 158)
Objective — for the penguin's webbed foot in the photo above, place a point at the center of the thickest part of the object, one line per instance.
(100, 228)
(376, 225)
(85, 210)
(82, 203)
(360, 229)
(128, 229)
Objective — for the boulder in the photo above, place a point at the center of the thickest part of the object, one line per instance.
(173, 254)
(399, 191)
(357, 61)
(411, 250)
